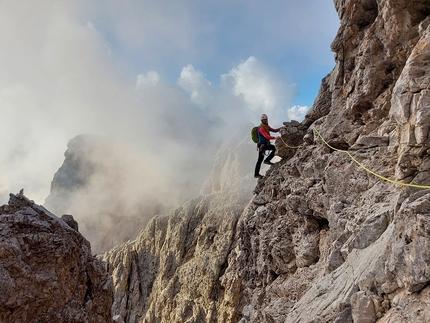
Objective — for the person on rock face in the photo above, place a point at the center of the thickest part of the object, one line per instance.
(264, 144)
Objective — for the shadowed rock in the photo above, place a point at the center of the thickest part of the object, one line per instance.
(46, 268)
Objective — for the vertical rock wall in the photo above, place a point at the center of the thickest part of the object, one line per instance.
(324, 240)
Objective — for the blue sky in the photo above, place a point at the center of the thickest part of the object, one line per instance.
(107, 67)
(292, 37)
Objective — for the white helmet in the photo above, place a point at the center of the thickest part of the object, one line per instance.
(263, 117)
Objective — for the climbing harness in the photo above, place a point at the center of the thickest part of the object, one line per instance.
(364, 167)
(265, 152)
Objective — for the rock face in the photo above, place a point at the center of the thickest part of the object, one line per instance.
(322, 239)
(46, 268)
(172, 271)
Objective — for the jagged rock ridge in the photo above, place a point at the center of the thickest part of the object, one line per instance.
(337, 244)
(321, 240)
(91, 185)
(171, 272)
(46, 268)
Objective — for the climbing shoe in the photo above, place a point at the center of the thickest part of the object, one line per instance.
(268, 163)
(258, 176)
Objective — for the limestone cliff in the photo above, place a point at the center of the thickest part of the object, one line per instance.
(171, 272)
(47, 272)
(322, 239)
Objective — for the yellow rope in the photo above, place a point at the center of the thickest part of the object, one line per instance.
(367, 169)
(290, 146)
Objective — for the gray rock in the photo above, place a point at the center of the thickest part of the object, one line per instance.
(322, 239)
(47, 271)
(363, 309)
(68, 218)
(370, 142)
(372, 228)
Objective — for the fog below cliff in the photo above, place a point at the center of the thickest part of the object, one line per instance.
(138, 74)
(164, 87)
(113, 187)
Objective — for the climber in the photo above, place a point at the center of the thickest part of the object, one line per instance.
(264, 144)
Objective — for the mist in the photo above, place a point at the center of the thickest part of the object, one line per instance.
(129, 74)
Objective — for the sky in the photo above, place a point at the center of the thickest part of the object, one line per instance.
(144, 71)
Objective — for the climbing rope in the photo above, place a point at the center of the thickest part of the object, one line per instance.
(292, 147)
(364, 167)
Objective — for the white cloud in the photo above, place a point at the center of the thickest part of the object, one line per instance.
(57, 81)
(195, 83)
(261, 87)
(246, 91)
(297, 112)
(151, 78)
(69, 67)
(165, 36)
(248, 79)
(52, 73)
(106, 68)
(62, 82)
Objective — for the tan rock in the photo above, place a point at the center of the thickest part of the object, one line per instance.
(363, 309)
(175, 270)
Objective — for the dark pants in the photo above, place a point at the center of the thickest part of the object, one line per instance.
(261, 150)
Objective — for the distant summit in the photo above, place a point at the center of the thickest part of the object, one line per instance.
(112, 188)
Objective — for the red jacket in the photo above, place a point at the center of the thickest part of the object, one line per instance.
(264, 133)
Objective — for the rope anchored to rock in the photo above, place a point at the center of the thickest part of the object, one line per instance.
(364, 167)
(288, 146)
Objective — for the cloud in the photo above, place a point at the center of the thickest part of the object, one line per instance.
(62, 73)
(55, 81)
(165, 36)
(194, 82)
(245, 92)
(151, 78)
(158, 76)
(297, 112)
(263, 90)
(298, 24)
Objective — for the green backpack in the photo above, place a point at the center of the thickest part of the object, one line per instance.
(254, 134)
